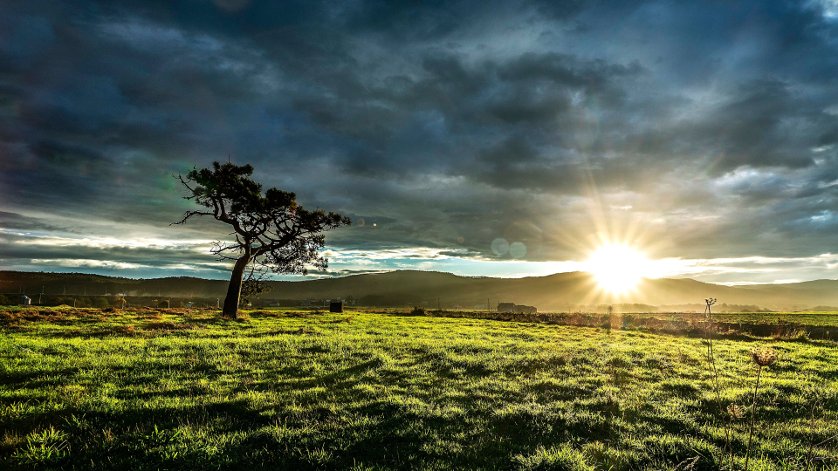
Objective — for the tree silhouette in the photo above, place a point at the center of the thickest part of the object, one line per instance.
(271, 230)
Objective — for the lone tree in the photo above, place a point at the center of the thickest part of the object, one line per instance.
(271, 230)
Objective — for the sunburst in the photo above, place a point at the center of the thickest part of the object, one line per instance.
(617, 268)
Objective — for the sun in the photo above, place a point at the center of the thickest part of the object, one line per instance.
(617, 268)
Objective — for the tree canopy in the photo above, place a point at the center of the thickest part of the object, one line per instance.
(270, 229)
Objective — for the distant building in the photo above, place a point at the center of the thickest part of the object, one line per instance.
(513, 308)
(506, 307)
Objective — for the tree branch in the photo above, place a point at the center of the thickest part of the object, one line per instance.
(189, 214)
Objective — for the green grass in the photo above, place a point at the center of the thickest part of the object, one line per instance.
(294, 390)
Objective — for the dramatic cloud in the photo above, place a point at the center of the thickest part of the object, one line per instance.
(704, 131)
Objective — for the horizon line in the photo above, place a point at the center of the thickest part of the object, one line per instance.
(304, 278)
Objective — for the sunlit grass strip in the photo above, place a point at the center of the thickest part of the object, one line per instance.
(300, 390)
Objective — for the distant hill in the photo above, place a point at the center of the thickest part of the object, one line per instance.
(561, 291)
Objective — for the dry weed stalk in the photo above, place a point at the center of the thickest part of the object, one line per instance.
(709, 328)
(762, 357)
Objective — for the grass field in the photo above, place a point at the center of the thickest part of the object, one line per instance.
(149, 389)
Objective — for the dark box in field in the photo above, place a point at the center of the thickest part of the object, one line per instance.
(336, 306)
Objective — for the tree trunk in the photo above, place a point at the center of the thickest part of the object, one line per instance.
(234, 289)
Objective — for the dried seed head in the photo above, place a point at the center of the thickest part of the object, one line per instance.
(764, 356)
(735, 411)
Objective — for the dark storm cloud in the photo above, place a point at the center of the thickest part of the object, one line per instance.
(19, 222)
(445, 124)
(762, 123)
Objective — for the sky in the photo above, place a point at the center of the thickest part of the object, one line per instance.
(485, 138)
